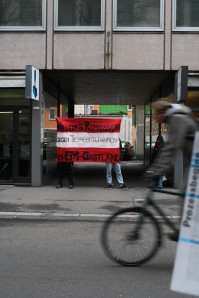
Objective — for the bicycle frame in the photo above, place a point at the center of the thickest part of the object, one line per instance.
(150, 202)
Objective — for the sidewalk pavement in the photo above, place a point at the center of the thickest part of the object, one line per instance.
(89, 200)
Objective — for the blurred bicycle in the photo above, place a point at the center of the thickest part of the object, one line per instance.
(132, 236)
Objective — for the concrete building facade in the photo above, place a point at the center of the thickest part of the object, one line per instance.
(88, 52)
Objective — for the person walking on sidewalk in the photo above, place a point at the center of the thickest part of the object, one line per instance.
(118, 172)
(65, 167)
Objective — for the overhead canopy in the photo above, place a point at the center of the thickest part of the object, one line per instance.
(109, 87)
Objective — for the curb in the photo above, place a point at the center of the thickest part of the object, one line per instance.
(68, 217)
(53, 216)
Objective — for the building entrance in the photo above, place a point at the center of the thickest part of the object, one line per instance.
(15, 138)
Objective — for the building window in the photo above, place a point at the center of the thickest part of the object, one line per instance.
(79, 15)
(22, 14)
(138, 15)
(185, 15)
(52, 113)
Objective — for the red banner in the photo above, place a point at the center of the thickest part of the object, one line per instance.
(88, 140)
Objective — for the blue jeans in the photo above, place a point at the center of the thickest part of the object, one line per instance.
(118, 172)
(160, 180)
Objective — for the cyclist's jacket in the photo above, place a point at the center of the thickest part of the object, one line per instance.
(182, 128)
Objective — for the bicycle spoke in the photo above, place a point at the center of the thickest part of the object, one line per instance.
(120, 241)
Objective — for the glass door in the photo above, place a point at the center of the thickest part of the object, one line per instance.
(6, 145)
(24, 134)
(15, 136)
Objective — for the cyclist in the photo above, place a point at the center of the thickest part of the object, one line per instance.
(181, 131)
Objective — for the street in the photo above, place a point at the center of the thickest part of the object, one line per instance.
(41, 258)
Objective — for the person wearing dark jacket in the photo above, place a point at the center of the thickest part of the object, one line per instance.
(182, 128)
(158, 145)
(62, 168)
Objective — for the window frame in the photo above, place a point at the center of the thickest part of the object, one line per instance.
(174, 27)
(78, 28)
(131, 29)
(29, 28)
(55, 112)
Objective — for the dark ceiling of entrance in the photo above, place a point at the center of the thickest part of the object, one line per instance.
(109, 87)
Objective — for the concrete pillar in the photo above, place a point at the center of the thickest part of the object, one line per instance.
(180, 92)
(36, 161)
(49, 34)
(71, 108)
(167, 35)
(178, 169)
(108, 35)
(140, 132)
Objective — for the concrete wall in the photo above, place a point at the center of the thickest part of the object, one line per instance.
(20, 49)
(79, 51)
(51, 49)
(138, 51)
(185, 51)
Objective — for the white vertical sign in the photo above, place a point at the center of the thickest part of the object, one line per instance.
(181, 84)
(185, 277)
(32, 83)
(35, 84)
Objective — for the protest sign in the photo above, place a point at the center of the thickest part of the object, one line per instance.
(88, 140)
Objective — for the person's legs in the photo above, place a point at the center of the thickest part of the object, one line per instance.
(160, 181)
(60, 174)
(152, 183)
(109, 173)
(118, 172)
(69, 173)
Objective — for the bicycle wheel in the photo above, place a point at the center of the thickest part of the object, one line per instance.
(120, 241)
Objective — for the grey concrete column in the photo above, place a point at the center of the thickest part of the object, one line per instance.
(108, 35)
(140, 132)
(167, 35)
(49, 34)
(71, 108)
(178, 169)
(36, 155)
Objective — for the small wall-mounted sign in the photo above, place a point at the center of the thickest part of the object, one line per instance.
(32, 83)
(181, 84)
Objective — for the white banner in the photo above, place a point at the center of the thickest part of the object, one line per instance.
(185, 277)
(87, 140)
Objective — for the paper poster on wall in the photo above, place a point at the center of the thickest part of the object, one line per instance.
(185, 277)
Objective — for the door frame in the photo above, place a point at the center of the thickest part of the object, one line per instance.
(16, 179)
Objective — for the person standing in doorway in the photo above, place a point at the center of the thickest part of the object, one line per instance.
(62, 168)
(158, 145)
(118, 172)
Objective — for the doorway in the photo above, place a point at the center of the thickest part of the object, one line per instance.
(15, 144)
